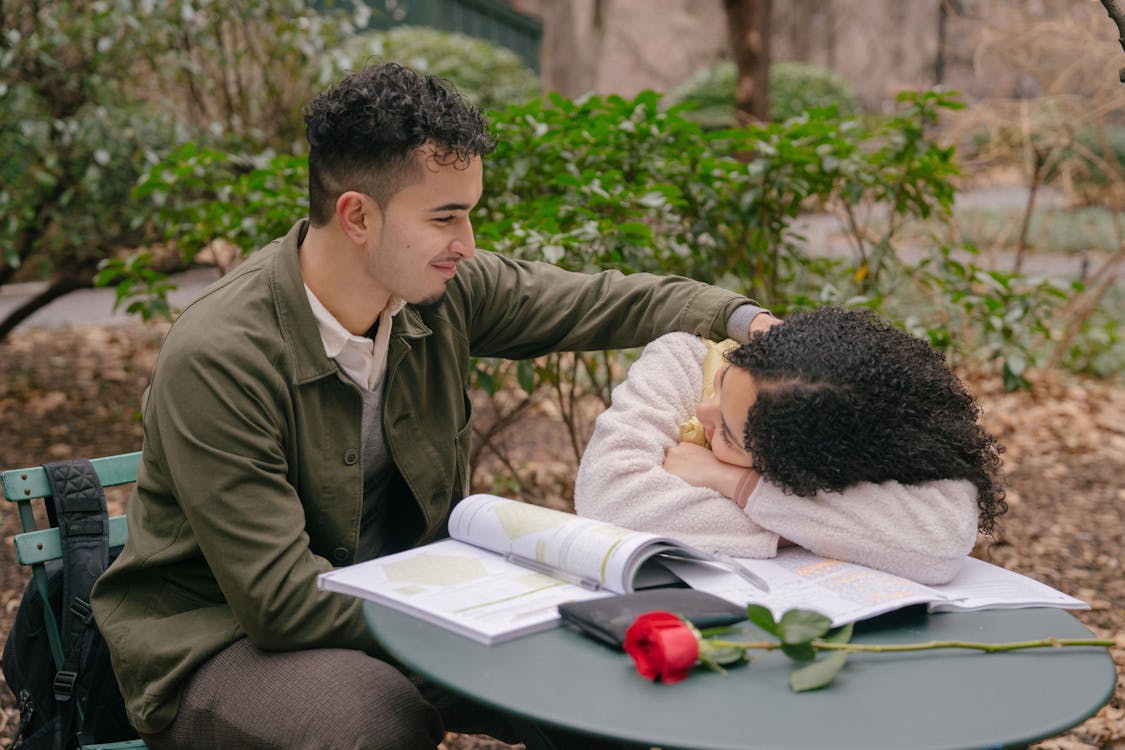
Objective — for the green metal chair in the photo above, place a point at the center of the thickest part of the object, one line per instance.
(36, 546)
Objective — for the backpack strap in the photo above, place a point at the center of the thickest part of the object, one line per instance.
(83, 523)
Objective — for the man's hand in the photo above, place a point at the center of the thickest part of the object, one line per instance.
(763, 321)
(698, 466)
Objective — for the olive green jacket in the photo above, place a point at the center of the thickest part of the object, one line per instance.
(250, 482)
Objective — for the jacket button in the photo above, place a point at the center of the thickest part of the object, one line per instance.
(351, 455)
(341, 554)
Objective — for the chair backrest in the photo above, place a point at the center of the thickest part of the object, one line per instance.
(23, 486)
(36, 546)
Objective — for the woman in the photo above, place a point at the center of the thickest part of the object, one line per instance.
(832, 430)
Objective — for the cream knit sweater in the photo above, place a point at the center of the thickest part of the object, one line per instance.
(922, 532)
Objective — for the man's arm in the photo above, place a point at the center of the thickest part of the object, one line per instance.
(519, 309)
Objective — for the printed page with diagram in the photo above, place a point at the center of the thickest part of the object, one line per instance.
(462, 588)
(507, 568)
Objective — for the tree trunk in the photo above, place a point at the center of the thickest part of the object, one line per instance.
(572, 45)
(939, 55)
(748, 22)
(592, 54)
(829, 36)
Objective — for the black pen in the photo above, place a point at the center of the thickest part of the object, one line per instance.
(727, 563)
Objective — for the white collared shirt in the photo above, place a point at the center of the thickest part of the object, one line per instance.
(362, 359)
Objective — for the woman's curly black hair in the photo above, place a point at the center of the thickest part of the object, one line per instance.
(843, 397)
(364, 132)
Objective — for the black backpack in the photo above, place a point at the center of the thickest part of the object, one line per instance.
(81, 703)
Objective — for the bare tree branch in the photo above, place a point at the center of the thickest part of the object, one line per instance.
(58, 288)
(1118, 17)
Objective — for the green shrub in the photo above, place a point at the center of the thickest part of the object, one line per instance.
(490, 76)
(74, 139)
(1099, 349)
(709, 96)
(591, 184)
(82, 170)
(795, 87)
(609, 182)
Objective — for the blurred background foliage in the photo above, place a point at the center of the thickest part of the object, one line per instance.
(94, 92)
(490, 76)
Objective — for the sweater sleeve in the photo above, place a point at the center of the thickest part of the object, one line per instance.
(921, 532)
(621, 478)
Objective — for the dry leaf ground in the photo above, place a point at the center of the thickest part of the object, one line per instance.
(75, 393)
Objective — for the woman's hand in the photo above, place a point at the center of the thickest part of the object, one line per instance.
(698, 466)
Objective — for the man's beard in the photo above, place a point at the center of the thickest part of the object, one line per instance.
(432, 303)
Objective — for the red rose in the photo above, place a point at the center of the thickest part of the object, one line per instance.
(662, 645)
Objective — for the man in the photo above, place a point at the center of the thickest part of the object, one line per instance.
(309, 410)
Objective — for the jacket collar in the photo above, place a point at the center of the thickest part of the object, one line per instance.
(295, 317)
(409, 324)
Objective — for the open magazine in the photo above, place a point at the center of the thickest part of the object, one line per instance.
(509, 564)
(846, 592)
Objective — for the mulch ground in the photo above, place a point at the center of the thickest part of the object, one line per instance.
(76, 393)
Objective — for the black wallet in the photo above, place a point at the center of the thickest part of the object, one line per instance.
(606, 620)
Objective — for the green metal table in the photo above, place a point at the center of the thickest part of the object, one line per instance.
(933, 699)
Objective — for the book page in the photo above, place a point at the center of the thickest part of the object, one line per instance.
(982, 585)
(798, 579)
(461, 587)
(592, 553)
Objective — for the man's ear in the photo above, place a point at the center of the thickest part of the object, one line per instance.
(358, 215)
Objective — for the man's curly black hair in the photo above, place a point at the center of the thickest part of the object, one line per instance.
(364, 133)
(843, 397)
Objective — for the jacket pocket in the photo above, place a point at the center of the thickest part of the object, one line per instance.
(173, 598)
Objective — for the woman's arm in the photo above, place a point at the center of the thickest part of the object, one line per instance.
(699, 467)
(922, 532)
(621, 478)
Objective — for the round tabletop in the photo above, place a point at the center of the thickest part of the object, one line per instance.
(932, 699)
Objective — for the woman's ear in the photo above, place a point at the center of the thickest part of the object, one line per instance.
(358, 216)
